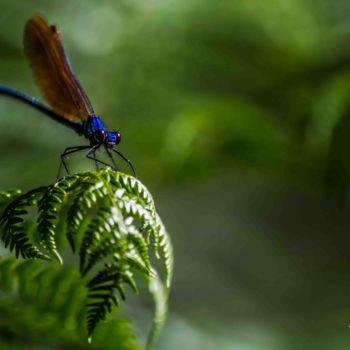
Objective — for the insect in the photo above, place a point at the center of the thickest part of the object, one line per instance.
(69, 103)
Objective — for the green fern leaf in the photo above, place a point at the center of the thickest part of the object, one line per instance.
(102, 290)
(48, 206)
(7, 196)
(167, 251)
(13, 229)
(87, 190)
(160, 297)
(110, 221)
(138, 248)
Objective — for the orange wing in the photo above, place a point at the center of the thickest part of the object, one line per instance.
(52, 71)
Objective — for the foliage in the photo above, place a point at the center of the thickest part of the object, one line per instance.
(109, 221)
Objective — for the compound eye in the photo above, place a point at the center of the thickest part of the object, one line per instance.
(100, 135)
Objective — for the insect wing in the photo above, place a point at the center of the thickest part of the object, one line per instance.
(52, 71)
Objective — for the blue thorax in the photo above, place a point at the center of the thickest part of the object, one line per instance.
(94, 123)
(96, 132)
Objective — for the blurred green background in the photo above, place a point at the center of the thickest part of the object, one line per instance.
(236, 115)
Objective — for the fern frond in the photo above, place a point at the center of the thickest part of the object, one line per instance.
(138, 249)
(48, 300)
(48, 206)
(94, 233)
(160, 297)
(103, 237)
(102, 290)
(85, 195)
(110, 221)
(7, 196)
(13, 229)
(167, 251)
(133, 187)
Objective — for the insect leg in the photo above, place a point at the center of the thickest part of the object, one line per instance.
(126, 159)
(115, 167)
(91, 155)
(96, 163)
(66, 152)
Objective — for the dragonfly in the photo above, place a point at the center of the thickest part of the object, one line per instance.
(69, 104)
